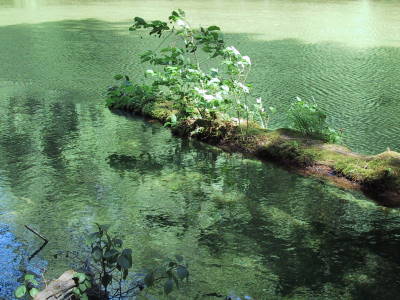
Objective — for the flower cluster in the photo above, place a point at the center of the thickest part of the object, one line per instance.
(178, 74)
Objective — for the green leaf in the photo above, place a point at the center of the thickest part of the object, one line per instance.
(169, 286)
(117, 77)
(20, 291)
(84, 297)
(80, 276)
(110, 254)
(182, 272)
(97, 253)
(94, 236)
(149, 279)
(213, 28)
(127, 253)
(82, 288)
(118, 243)
(175, 280)
(139, 21)
(123, 262)
(29, 277)
(33, 281)
(76, 291)
(181, 12)
(87, 284)
(33, 292)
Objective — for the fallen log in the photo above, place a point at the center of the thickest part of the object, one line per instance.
(59, 289)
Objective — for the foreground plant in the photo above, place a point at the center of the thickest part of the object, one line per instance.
(178, 74)
(106, 274)
(29, 288)
(114, 264)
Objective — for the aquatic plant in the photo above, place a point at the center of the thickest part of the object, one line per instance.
(307, 118)
(178, 73)
(115, 263)
(29, 287)
(106, 272)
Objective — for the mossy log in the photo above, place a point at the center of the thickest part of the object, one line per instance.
(59, 289)
(378, 176)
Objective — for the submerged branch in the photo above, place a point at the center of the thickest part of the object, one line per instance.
(37, 233)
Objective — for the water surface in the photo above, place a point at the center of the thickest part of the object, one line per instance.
(67, 162)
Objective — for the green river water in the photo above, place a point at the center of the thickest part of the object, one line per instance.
(244, 226)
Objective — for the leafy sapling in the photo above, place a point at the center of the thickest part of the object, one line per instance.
(114, 262)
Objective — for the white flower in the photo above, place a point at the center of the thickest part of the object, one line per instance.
(242, 86)
(182, 23)
(262, 109)
(233, 50)
(225, 88)
(246, 59)
(208, 97)
(259, 100)
(218, 96)
(200, 91)
(214, 80)
(240, 64)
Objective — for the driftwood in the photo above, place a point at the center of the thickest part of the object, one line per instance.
(59, 289)
(40, 236)
(37, 233)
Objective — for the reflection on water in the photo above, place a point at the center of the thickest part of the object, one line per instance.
(243, 225)
(356, 86)
(67, 162)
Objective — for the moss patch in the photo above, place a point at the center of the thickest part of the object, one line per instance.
(378, 176)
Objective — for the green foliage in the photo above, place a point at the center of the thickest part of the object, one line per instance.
(83, 283)
(172, 121)
(168, 275)
(28, 289)
(111, 268)
(107, 252)
(114, 264)
(311, 121)
(177, 74)
(130, 96)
